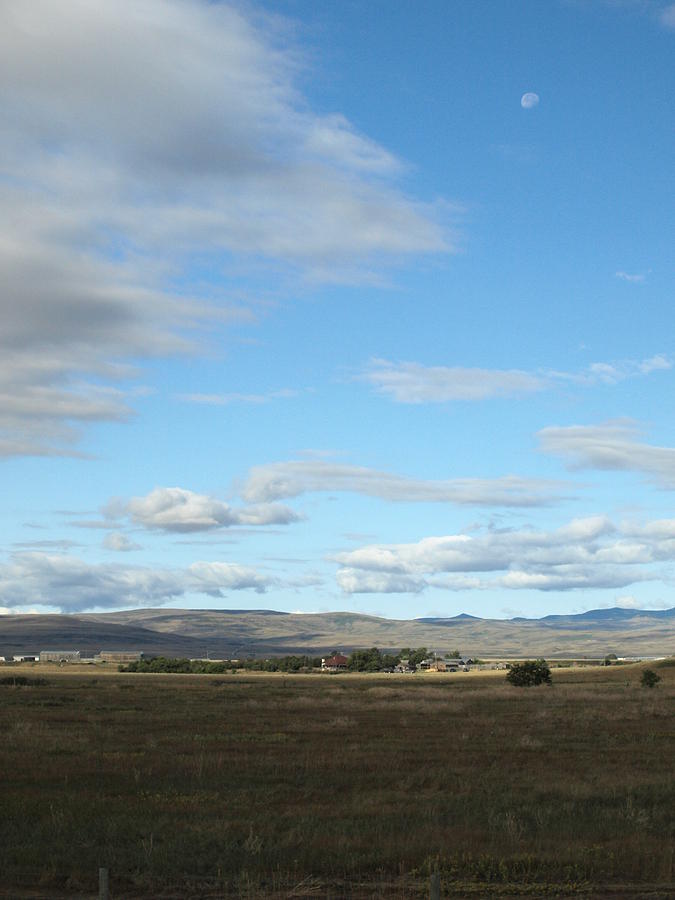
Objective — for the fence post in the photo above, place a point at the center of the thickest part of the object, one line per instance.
(435, 887)
(103, 884)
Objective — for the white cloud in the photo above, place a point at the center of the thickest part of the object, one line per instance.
(279, 480)
(637, 278)
(409, 382)
(610, 446)
(655, 364)
(175, 509)
(667, 16)
(631, 602)
(136, 134)
(586, 553)
(529, 100)
(227, 399)
(602, 373)
(73, 585)
(56, 544)
(119, 542)
(627, 602)
(352, 581)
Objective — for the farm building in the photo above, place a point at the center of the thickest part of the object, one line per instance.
(120, 656)
(404, 666)
(26, 657)
(59, 656)
(449, 665)
(334, 662)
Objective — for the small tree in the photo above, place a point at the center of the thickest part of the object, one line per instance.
(529, 673)
(649, 678)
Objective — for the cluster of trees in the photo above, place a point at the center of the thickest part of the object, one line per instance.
(372, 660)
(165, 664)
(281, 664)
(212, 667)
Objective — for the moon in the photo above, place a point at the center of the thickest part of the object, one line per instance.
(529, 100)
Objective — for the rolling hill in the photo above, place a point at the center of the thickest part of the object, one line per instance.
(223, 633)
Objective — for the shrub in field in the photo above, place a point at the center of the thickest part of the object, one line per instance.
(649, 678)
(529, 673)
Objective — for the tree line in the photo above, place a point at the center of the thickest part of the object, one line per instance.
(372, 660)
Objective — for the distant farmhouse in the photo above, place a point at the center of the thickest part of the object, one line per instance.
(59, 656)
(450, 665)
(404, 666)
(334, 663)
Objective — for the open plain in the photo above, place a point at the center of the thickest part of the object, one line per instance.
(336, 786)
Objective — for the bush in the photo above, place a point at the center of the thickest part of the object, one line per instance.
(529, 673)
(649, 678)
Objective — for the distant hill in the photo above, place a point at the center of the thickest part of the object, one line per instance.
(241, 633)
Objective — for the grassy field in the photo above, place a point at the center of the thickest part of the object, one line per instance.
(337, 786)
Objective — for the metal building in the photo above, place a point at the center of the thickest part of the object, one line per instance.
(59, 656)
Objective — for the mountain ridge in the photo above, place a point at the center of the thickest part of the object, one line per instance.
(230, 633)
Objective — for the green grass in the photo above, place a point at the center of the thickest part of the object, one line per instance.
(255, 786)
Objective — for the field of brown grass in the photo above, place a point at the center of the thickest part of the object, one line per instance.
(337, 786)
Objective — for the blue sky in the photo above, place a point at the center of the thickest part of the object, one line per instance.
(342, 305)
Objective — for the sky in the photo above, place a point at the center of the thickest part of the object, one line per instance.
(349, 305)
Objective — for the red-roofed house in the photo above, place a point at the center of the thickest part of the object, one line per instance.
(335, 662)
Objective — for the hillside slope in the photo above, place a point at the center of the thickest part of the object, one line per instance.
(242, 633)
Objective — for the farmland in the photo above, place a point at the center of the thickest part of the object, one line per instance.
(337, 786)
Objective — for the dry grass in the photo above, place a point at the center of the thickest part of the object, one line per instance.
(254, 786)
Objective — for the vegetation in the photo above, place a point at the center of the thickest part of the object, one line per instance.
(280, 786)
(166, 665)
(649, 678)
(413, 656)
(21, 681)
(372, 660)
(529, 673)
